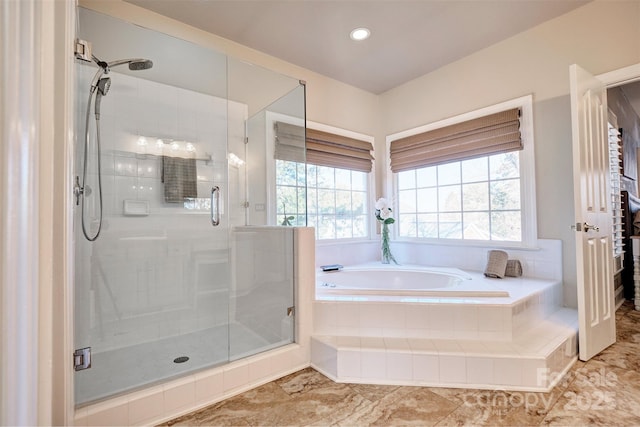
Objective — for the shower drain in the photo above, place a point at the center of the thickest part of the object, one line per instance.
(180, 359)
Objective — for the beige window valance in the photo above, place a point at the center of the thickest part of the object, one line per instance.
(492, 134)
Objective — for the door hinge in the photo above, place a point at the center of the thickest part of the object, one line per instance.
(82, 359)
(291, 311)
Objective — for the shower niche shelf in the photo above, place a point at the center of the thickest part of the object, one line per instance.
(135, 207)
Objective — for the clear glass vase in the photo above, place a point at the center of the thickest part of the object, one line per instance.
(387, 256)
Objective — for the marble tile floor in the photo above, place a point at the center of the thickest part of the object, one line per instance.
(603, 391)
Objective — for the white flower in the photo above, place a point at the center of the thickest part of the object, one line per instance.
(382, 203)
(385, 213)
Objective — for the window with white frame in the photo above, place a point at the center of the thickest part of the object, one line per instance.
(334, 177)
(469, 178)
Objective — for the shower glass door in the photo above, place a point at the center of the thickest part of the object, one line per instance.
(179, 265)
(152, 289)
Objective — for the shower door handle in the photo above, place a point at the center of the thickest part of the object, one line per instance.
(215, 205)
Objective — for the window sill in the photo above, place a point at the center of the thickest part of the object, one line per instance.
(523, 246)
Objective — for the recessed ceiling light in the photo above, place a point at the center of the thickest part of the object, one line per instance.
(360, 34)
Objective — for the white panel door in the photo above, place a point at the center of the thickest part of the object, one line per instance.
(594, 251)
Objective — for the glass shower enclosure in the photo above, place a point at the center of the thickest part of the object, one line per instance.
(173, 273)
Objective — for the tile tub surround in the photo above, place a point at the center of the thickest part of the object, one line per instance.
(542, 262)
(173, 398)
(493, 318)
(521, 342)
(309, 398)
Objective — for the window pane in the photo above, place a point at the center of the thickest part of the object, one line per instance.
(475, 197)
(426, 177)
(359, 202)
(449, 198)
(286, 174)
(312, 221)
(476, 226)
(326, 201)
(302, 181)
(311, 175)
(360, 226)
(450, 226)
(343, 228)
(449, 173)
(343, 179)
(406, 179)
(358, 181)
(505, 194)
(428, 225)
(302, 207)
(407, 201)
(287, 200)
(428, 200)
(325, 177)
(301, 221)
(475, 170)
(312, 202)
(506, 165)
(327, 227)
(343, 202)
(407, 225)
(506, 226)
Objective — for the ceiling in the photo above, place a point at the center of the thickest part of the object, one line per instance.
(409, 38)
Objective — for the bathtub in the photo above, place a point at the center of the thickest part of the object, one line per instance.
(376, 280)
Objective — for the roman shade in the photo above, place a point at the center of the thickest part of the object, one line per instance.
(492, 134)
(322, 148)
(289, 142)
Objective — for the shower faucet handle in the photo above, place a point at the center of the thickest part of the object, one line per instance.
(77, 190)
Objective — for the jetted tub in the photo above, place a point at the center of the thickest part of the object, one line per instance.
(412, 281)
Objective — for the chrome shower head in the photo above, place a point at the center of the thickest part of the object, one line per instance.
(135, 64)
(140, 64)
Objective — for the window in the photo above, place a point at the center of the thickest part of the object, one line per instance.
(334, 179)
(291, 206)
(469, 192)
(337, 201)
(477, 199)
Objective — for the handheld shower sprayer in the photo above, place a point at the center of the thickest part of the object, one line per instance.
(99, 87)
(103, 87)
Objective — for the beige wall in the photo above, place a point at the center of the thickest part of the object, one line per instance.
(601, 36)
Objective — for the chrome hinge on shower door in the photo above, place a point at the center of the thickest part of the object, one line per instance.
(82, 359)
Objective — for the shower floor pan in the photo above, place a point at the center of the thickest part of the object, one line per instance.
(126, 369)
